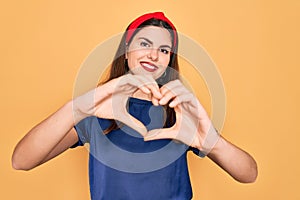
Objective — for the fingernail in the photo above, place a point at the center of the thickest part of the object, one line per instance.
(172, 104)
(161, 102)
(158, 95)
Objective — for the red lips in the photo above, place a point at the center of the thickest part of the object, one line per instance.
(149, 66)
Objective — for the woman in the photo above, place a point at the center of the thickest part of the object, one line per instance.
(130, 120)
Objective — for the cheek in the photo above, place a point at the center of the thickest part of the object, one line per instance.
(165, 60)
(133, 58)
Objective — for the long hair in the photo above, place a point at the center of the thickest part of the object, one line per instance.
(119, 67)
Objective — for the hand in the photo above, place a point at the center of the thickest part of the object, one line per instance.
(109, 100)
(193, 126)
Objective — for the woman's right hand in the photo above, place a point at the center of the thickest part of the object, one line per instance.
(110, 99)
(56, 133)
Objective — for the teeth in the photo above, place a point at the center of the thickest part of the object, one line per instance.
(149, 66)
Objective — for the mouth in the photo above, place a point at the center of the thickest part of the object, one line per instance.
(149, 66)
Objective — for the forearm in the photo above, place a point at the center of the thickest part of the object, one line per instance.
(40, 140)
(236, 162)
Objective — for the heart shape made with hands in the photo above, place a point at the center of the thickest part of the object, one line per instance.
(114, 105)
(193, 126)
(184, 129)
(187, 111)
(109, 101)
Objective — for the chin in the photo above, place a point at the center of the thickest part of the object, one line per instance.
(142, 72)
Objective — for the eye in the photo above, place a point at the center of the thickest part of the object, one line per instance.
(144, 44)
(164, 51)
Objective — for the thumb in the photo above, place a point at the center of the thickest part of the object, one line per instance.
(156, 134)
(133, 123)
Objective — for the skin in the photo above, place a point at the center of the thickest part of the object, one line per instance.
(150, 46)
(148, 56)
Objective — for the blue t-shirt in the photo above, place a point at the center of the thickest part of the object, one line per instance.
(122, 166)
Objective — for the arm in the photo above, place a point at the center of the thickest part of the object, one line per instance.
(236, 162)
(194, 128)
(56, 133)
(46, 140)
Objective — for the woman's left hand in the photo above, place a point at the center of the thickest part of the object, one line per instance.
(192, 126)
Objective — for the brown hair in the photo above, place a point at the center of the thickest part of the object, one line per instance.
(120, 67)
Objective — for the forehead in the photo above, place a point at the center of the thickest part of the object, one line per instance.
(156, 34)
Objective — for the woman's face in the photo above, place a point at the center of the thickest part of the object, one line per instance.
(149, 51)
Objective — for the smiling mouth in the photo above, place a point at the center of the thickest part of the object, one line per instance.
(148, 66)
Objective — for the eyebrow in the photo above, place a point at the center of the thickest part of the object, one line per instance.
(149, 41)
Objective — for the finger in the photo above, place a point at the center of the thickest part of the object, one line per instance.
(171, 94)
(169, 86)
(131, 121)
(120, 113)
(151, 84)
(154, 101)
(155, 91)
(171, 90)
(139, 83)
(135, 124)
(156, 134)
(180, 99)
(167, 97)
(185, 136)
(145, 83)
(129, 83)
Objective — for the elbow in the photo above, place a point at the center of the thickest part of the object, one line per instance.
(249, 179)
(19, 165)
(250, 173)
(253, 173)
(250, 176)
(253, 176)
(16, 166)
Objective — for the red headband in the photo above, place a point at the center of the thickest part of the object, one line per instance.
(157, 15)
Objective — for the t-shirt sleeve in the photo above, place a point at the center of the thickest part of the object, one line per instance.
(197, 152)
(83, 131)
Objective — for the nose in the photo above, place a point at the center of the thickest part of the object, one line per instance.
(153, 54)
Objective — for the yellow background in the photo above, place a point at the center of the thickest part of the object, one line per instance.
(255, 45)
